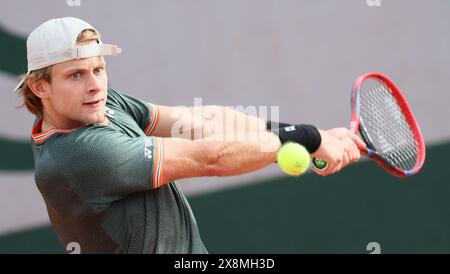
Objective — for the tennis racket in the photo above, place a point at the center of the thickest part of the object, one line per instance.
(385, 122)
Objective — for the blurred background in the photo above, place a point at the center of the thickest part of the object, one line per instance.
(299, 55)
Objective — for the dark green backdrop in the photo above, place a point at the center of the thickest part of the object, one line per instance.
(311, 214)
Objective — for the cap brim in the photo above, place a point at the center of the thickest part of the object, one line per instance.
(97, 50)
(19, 86)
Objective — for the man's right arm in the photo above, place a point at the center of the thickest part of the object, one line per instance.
(183, 158)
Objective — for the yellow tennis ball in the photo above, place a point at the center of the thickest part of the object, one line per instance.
(293, 158)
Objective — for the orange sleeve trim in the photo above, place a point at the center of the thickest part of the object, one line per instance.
(157, 162)
(154, 118)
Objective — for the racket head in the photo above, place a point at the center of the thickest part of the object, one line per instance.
(384, 120)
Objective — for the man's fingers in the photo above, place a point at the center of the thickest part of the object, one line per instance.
(343, 149)
(337, 167)
(354, 151)
(359, 143)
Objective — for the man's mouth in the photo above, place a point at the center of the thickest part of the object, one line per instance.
(94, 103)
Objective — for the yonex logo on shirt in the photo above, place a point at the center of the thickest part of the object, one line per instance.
(148, 148)
(109, 112)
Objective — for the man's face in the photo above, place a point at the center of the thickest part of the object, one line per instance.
(78, 92)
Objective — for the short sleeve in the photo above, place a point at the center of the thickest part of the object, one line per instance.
(145, 114)
(107, 165)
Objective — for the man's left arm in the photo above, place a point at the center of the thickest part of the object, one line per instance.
(201, 122)
(338, 146)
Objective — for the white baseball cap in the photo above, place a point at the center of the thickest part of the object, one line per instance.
(55, 41)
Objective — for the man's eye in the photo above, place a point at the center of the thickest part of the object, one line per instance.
(98, 70)
(75, 75)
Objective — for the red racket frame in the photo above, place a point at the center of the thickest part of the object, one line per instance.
(406, 110)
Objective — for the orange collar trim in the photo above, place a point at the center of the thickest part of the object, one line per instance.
(40, 137)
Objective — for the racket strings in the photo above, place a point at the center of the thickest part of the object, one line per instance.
(386, 125)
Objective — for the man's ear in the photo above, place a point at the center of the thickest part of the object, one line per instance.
(39, 88)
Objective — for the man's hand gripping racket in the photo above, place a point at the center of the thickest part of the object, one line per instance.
(385, 122)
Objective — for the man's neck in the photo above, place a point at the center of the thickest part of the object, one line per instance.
(46, 126)
(50, 123)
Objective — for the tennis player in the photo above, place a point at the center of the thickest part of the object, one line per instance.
(106, 163)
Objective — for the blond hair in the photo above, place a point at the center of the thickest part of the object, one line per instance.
(30, 100)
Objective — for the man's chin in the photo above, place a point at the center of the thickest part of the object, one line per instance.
(96, 119)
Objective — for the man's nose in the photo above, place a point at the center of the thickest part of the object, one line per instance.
(94, 83)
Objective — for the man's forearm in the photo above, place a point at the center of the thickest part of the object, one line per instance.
(204, 121)
(244, 152)
(218, 155)
(218, 120)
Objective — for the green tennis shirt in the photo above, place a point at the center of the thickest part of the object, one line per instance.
(101, 184)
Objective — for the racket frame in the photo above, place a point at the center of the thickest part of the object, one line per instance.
(357, 125)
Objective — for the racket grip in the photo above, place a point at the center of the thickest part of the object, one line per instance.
(319, 164)
(322, 164)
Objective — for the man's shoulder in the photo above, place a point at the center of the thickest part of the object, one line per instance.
(117, 97)
(66, 153)
(114, 93)
(123, 98)
(142, 112)
(83, 138)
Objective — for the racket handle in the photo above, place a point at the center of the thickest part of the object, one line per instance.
(319, 164)
(322, 164)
